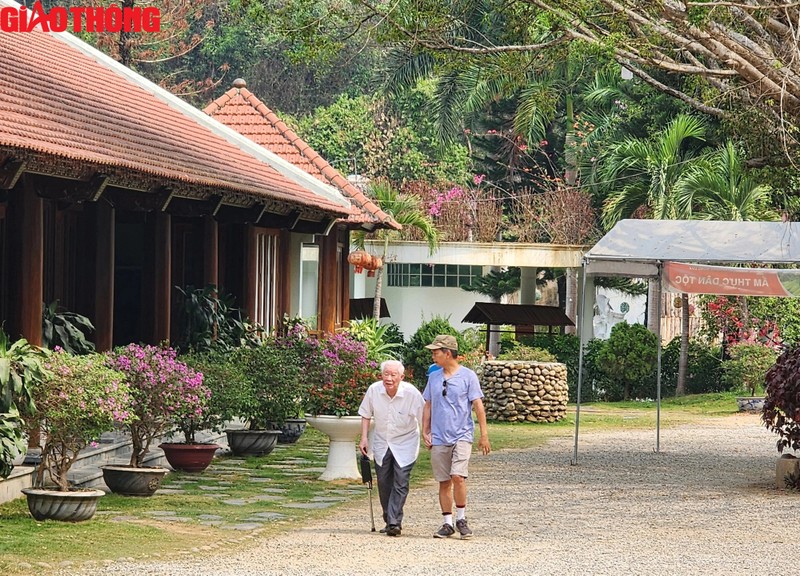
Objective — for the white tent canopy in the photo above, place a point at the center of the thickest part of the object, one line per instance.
(639, 248)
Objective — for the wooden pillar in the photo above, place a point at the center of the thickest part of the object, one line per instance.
(210, 251)
(104, 275)
(250, 271)
(328, 284)
(284, 275)
(344, 278)
(31, 253)
(162, 268)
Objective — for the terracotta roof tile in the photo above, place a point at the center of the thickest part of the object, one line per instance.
(244, 112)
(57, 100)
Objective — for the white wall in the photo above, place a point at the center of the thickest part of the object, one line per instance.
(410, 306)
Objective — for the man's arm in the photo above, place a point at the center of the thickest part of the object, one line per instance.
(426, 424)
(480, 413)
(363, 445)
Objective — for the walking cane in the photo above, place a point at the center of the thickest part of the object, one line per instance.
(366, 478)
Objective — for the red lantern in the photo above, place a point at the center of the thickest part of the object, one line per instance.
(358, 259)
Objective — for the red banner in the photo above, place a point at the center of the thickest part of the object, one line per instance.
(700, 279)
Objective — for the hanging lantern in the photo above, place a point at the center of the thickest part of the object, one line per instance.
(377, 261)
(358, 259)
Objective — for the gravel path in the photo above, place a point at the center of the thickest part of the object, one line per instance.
(705, 504)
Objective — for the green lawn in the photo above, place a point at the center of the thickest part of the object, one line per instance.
(129, 527)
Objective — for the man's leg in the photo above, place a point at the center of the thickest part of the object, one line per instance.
(383, 477)
(397, 498)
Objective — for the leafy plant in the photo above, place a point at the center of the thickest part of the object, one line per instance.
(417, 358)
(165, 392)
(528, 354)
(747, 366)
(704, 370)
(67, 330)
(275, 384)
(21, 368)
(782, 399)
(224, 375)
(629, 355)
(208, 319)
(78, 400)
(375, 336)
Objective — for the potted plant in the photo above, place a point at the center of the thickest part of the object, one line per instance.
(781, 413)
(745, 371)
(78, 399)
(20, 369)
(167, 394)
(337, 373)
(270, 395)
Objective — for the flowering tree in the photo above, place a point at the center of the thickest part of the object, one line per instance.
(78, 400)
(338, 374)
(166, 393)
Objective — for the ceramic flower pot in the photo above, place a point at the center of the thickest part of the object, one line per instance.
(243, 442)
(342, 431)
(188, 457)
(74, 506)
(133, 481)
(291, 430)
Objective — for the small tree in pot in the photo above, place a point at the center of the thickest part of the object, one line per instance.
(166, 394)
(270, 394)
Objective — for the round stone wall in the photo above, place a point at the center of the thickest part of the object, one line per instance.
(520, 391)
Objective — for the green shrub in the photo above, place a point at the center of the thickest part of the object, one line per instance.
(528, 354)
(629, 357)
(703, 374)
(373, 334)
(417, 358)
(747, 367)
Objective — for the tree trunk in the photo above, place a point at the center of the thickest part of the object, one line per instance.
(376, 304)
(683, 359)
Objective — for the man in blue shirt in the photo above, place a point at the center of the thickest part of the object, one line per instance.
(451, 395)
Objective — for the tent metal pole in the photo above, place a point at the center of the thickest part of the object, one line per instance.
(581, 339)
(658, 363)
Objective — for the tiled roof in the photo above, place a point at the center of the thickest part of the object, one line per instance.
(62, 98)
(244, 112)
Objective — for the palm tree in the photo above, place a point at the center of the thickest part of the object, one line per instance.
(647, 175)
(717, 188)
(407, 210)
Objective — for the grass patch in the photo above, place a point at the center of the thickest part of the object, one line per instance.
(198, 515)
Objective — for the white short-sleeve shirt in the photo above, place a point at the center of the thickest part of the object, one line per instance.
(396, 421)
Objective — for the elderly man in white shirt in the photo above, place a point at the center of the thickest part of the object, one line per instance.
(396, 407)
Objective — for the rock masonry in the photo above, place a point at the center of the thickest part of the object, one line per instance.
(520, 391)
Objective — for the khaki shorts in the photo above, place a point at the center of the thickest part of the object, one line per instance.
(452, 460)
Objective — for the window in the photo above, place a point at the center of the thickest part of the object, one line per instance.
(433, 275)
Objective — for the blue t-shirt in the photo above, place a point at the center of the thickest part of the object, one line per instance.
(432, 368)
(451, 414)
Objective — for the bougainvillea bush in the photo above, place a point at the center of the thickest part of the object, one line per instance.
(78, 399)
(782, 401)
(337, 374)
(167, 394)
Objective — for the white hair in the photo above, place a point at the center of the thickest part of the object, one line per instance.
(393, 363)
